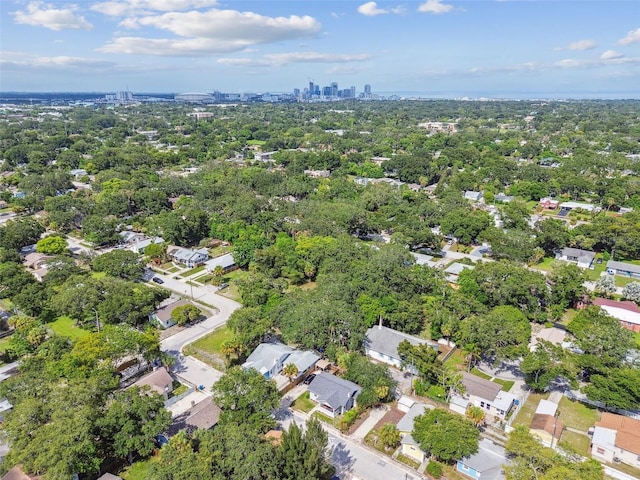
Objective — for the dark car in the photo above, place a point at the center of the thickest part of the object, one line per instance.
(158, 280)
(309, 379)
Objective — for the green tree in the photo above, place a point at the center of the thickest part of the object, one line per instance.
(119, 263)
(389, 436)
(52, 245)
(566, 285)
(246, 397)
(543, 364)
(304, 454)
(606, 285)
(185, 314)
(131, 420)
(632, 292)
(447, 436)
(290, 370)
(618, 388)
(476, 415)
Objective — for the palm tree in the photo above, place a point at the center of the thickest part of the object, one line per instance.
(389, 436)
(476, 415)
(290, 370)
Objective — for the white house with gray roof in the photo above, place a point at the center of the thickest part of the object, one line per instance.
(623, 269)
(454, 270)
(582, 258)
(189, 258)
(270, 358)
(482, 393)
(226, 262)
(410, 446)
(381, 344)
(334, 395)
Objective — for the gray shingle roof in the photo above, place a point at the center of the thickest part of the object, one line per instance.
(480, 387)
(332, 390)
(406, 423)
(488, 461)
(386, 340)
(622, 266)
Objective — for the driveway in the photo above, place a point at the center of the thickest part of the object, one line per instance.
(190, 369)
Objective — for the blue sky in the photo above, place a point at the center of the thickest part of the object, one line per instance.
(437, 47)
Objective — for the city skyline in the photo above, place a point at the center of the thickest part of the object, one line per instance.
(439, 48)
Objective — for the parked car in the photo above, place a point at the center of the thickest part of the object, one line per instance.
(223, 285)
(309, 379)
(158, 280)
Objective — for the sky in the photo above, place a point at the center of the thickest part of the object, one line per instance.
(435, 48)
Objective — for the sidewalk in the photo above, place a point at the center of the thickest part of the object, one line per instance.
(374, 417)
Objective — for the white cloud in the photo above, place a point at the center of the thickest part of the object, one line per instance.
(582, 45)
(40, 14)
(370, 9)
(211, 32)
(280, 59)
(140, 7)
(632, 37)
(434, 6)
(611, 55)
(20, 61)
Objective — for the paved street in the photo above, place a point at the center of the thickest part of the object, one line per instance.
(190, 369)
(353, 461)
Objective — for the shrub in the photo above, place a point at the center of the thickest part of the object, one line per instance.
(434, 469)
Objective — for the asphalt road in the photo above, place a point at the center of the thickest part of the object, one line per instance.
(189, 369)
(353, 461)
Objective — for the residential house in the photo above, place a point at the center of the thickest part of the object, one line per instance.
(484, 394)
(589, 207)
(109, 476)
(410, 447)
(582, 258)
(545, 424)
(270, 358)
(35, 261)
(616, 439)
(201, 416)
(264, 156)
(158, 381)
(333, 394)
(422, 259)
(78, 173)
(189, 258)
(548, 203)
(381, 344)
(139, 247)
(501, 197)
(162, 315)
(226, 262)
(16, 473)
(453, 271)
(130, 237)
(318, 173)
(627, 312)
(486, 464)
(623, 269)
(473, 196)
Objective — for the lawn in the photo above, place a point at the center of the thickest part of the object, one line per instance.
(212, 343)
(98, 275)
(303, 403)
(637, 337)
(64, 326)
(576, 442)
(506, 384)
(546, 264)
(624, 281)
(525, 415)
(139, 470)
(599, 268)
(193, 271)
(577, 415)
(4, 344)
(456, 360)
(256, 142)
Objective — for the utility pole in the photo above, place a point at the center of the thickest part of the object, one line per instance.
(97, 319)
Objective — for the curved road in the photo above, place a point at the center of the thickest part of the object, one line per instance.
(190, 369)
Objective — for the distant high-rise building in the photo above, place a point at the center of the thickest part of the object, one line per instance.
(312, 89)
(367, 89)
(334, 89)
(353, 91)
(296, 92)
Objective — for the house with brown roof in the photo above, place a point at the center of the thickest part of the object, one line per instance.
(545, 425)
(616, 438)
(158, 381)
(16, 473)
(201, 416)
(162, 315)
(482, 393)
(627, 312)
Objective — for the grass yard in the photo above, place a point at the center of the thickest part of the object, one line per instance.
(98, 275)
(6, 304)
(193, 271)
(525, 415)
(546, 264)
(64, 326)
(212, 343)
(480, 374)
(577, 415)
(203, 279)
(456, 360)
(576, 442)
(303, 403)
(598, 270)
(407, 461)
(637, 338)
(256, 142)
(506, 384)
(335, 422)
(4, 344)
(139, 470)
(624, 281)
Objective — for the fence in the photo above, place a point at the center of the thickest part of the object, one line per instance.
(177, 398)
(583, 399)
